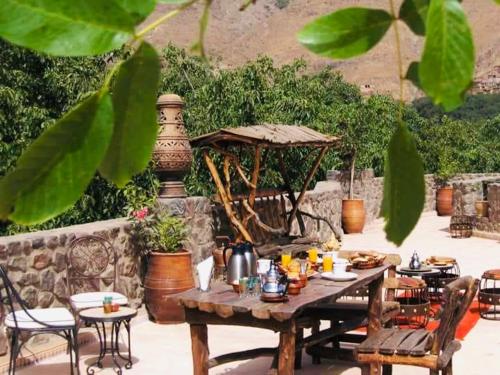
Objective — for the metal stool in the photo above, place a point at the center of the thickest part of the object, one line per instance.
(414, 304)
(489, 295)
(461, 226)
(449, 271)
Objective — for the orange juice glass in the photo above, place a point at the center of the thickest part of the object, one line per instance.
(313, 254)
(286, 258)
(327, 262)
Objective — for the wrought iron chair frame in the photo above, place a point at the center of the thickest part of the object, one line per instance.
(71, 269)
(68, 332)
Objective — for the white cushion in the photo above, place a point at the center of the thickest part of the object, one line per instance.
(57, 316)
(94, 299)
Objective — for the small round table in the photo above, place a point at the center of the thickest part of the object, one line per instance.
(98, 318)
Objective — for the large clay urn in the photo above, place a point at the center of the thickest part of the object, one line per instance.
(444, 201)
(172, 154)
(168, 273)
(353, 215)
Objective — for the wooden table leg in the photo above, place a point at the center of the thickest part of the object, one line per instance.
(286, 359)
(199, 348)
(374, 316)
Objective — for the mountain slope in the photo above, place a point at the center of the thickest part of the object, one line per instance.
(264, 28)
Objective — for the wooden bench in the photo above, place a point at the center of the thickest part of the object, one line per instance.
(270, 226)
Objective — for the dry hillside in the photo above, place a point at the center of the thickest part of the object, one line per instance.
(264, 28)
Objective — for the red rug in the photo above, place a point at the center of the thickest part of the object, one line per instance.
(465, 326)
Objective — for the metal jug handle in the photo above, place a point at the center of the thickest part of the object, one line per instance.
(224, 254)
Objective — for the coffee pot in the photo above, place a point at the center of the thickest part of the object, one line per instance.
(274, 282)
(250, 258)
(241, 263)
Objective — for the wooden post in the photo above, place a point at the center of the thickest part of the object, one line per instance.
(289, 190)
(309, 177)
(286, 359)
(224, 198)
(374, 316)
(253, 187)
(199, 348)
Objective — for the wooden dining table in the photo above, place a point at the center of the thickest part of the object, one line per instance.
(222, 306)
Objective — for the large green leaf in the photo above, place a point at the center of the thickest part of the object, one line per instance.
(414, 14)
(138, 9)
(345, 33)
(173, 1)
(66, 28)
(54, 171)
(134, 104)
(412, 74)
(404, 187)
(447, 66)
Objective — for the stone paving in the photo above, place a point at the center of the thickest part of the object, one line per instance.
(161, 349)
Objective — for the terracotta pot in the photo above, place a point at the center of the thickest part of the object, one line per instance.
(353, 215)
(172, 153)
(444, 201)
(481, 208)
(167, 273)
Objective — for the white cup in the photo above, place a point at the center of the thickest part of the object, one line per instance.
(263, 266)
(339, 266)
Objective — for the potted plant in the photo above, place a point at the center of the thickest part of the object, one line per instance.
(353, 210)
(159, 237)
(447, 168)
(354, 131)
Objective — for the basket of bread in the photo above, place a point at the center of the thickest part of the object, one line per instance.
(366, 259)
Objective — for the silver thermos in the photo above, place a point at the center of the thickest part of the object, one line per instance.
(241, 263)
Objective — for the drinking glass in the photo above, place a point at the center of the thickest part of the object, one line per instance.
(327, 262)
(313, 254)
(243, 287)
(253, 285)
(286, 258)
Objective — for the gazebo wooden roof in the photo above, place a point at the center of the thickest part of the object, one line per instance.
(267, 135)
(262, 139)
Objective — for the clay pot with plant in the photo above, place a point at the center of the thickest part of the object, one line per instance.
(444, 191)
(353, 210)
(169, 267)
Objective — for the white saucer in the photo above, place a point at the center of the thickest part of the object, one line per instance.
(344, 276)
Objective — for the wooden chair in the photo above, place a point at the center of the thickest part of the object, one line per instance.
(22, 319)
(418, 347)
(91, 267)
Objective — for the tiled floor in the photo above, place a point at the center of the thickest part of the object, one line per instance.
(164, 350)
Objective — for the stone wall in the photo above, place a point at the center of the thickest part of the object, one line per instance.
(36, 262)
(492, 222)
(370, 189)
(469, 188)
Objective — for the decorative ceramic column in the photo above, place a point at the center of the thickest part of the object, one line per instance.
(172, 153)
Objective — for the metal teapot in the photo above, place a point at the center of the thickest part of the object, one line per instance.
(274, 282)
(415, 261)
(241, 263)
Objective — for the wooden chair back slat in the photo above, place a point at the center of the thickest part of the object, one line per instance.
(458, 296)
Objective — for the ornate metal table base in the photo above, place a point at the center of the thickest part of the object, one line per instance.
(98, 319)
(112, 347)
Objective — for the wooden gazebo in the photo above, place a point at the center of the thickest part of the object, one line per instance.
(270, 221)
